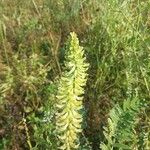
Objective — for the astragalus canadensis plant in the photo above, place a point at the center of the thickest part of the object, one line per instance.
(70, 95)
(120, 132)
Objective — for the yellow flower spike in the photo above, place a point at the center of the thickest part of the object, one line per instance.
(69, 99)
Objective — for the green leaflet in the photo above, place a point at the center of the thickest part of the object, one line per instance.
(120, 131)
(69, 99)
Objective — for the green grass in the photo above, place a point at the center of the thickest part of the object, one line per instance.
(115, 35)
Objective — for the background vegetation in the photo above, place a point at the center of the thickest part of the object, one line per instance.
(115, 35)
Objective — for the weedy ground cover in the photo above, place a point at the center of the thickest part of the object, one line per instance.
(35, 54)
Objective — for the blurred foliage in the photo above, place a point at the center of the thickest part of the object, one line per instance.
(115, 37)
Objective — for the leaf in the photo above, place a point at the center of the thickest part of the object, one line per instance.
(123, 146)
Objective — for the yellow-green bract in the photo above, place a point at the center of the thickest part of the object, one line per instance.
(69, 97)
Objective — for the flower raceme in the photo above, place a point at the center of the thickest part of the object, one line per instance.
(69, 97)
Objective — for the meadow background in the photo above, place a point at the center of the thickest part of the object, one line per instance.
(115, 35)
